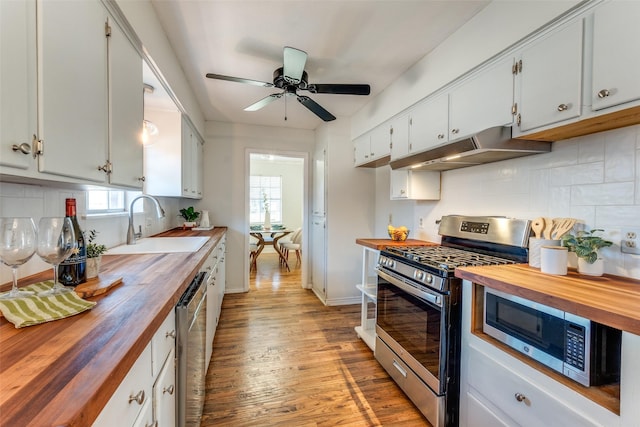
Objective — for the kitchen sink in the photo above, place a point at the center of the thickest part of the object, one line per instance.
(158, 245)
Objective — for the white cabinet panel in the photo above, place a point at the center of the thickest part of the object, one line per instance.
(126, 110)
(616, 65)
(164, 394)
(399, 137)
(319, 180)
(362, 149)
(483, 101)
(480, 415)
(373, 147)
(72, 72)
(17, 83)
(429, 124)
(550, 80)
(417, 185)
(163, 341)
(319, 259)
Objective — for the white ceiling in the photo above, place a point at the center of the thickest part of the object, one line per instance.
(347, 41)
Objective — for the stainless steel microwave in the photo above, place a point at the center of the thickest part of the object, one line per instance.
(585, 351)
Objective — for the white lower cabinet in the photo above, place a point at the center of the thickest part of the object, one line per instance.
(215, 264)
(127, 403)
(146, 396)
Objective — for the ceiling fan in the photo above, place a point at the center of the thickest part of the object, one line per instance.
(292, 77)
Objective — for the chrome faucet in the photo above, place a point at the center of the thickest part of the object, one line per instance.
(131, 235)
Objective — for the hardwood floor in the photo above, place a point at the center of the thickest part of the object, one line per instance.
(282, 358)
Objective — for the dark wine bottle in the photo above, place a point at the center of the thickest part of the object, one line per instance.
(72, 271)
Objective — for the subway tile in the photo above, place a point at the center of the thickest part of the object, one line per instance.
(620, 151)
(603, 194)
(591, 148)
(618, 216)
(586, 173)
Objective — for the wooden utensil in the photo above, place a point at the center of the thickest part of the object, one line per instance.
(548, 227)
(97, 285)
(561, 227)
(537, 226)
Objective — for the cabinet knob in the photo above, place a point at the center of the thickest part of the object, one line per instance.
(169, 389)
(138, 398)
(563, 107)
(24, 148)
(142, 179)
(520, 397)
(170, 334)
(455, 131)
(106, 168)
(604, 93)
(441, 136)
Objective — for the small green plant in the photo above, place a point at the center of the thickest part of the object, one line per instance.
(189, 214)
(585, 244)
(94, 250)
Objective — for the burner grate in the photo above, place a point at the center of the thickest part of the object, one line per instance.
(445, 258)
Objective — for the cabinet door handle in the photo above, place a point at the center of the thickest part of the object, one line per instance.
(171, 334)
(455, 131)
(441, 136)
(520, 397)
(563, 107)
(142, 179)
(138, 398)
(24, 148)
(400, 369)
(604, 93)
(169, 389)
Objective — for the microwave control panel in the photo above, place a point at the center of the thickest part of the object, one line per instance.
(574, 352)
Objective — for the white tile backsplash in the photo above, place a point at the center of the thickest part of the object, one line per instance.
(594, 178)
(36, 201)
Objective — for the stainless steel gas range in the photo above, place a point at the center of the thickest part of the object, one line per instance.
(419, 302)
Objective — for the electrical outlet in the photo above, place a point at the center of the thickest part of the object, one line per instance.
(629, 244)
(421, 222)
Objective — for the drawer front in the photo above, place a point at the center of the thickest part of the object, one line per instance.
(164, 340)
(526, 404)
(164, 395)
(134, 392)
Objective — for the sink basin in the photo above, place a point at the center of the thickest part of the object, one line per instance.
(160, 245)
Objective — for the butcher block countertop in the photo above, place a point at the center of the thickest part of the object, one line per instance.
(610, 300)
(383, 243)
(62, 373)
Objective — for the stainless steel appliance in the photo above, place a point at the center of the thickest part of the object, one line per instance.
(419, 302)
(578, 348)
(191, 315)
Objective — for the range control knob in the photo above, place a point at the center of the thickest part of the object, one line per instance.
(429, 278)
(419, 275)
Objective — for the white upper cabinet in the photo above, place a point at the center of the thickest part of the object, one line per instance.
(18, 85)
(373, 148)
(429, 124)
(483, 101)
(399, 133)
(72, 68)
(192, 162)
(414, 185)
(616, 58)
(126, 109)
(549, 79)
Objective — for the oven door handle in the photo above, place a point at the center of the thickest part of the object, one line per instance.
(429, 297)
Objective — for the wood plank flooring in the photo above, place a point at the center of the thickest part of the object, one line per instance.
(282, 358)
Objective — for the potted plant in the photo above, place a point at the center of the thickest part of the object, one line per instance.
(94, 255)
(586, 244)
(190, 217)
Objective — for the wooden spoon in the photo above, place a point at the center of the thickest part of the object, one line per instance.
(548, 227)
(537, 226)
(562, 227)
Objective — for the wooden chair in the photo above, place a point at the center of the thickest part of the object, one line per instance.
(253, 255)
(295, 244)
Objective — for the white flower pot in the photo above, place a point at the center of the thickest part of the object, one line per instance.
(93, 266)
(595, 269)
(188, 224)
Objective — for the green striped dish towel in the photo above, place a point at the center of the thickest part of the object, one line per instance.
(33, 310)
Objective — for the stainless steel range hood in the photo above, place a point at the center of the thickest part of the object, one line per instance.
(488, 146)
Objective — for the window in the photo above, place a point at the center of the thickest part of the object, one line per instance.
(105, 201)
(265, 191)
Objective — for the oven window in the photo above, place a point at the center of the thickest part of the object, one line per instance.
(412, 323)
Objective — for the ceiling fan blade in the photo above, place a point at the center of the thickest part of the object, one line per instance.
(340, 89)
(263, 102)
(315, 108)
(239, 80)
(294, 62)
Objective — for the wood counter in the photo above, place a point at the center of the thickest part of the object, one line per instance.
(610, 300)
(380, 244)
(62, 373)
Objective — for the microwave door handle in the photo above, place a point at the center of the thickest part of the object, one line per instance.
(429, 297)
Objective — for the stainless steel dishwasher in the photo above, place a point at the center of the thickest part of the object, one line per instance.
(191, 315)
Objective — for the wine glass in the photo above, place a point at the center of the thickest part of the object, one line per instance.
(56, 241)
(17, 246)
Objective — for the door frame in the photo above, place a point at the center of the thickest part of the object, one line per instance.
(305, 210)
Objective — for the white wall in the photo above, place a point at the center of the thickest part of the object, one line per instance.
(225, 190)
(594, 178)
